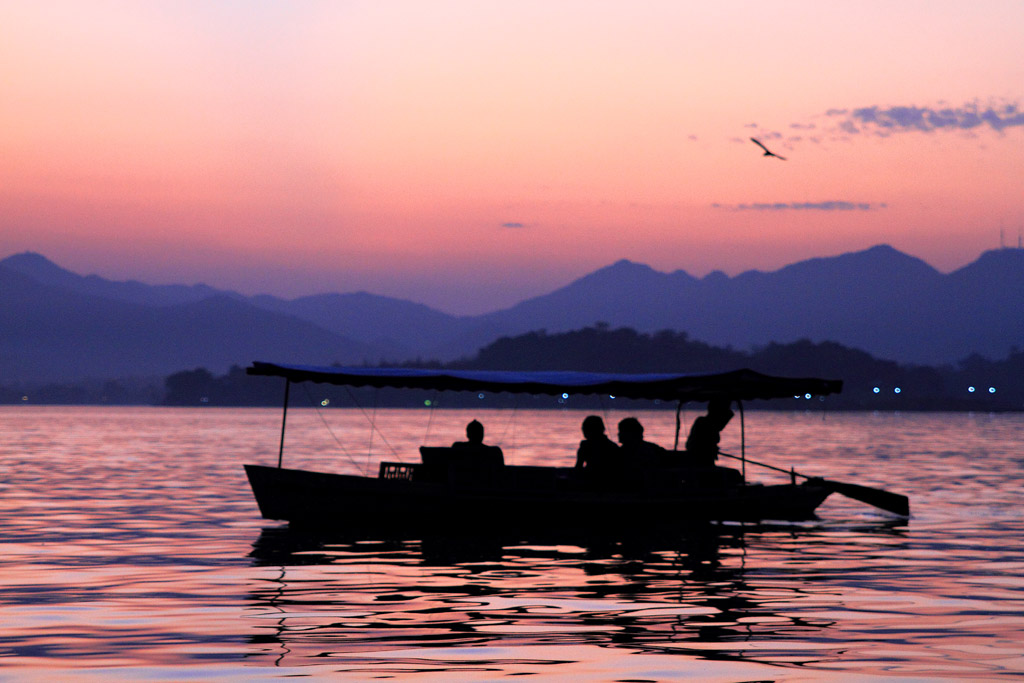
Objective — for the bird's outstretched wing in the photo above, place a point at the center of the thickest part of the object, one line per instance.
(767, 152)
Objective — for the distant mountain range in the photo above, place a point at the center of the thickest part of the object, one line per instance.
(56, 325)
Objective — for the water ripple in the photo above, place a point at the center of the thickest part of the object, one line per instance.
(132, 548)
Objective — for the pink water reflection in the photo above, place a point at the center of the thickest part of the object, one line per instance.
(132, 548)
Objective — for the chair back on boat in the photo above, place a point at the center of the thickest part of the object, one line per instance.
(456, 466)
(435, 456)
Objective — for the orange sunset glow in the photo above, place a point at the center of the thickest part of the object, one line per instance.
(468, 155)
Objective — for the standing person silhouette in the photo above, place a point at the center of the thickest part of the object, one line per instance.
(705, 434)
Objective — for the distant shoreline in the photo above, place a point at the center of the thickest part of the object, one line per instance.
(577, 405)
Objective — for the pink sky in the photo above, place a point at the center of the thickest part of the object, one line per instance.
(470, 154)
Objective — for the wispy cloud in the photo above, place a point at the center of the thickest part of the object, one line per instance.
(838, 124)
(513, 224)
(833, 205)
(887, 120)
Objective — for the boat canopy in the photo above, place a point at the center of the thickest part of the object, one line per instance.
(739, 385)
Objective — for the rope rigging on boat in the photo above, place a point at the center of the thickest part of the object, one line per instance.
(373, 428)
(373, 423)
(432, 404)
(330, 431)
(511, 424)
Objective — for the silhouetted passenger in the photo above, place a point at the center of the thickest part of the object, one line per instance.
(597, 454)
(474, 452)
(637, 453)
(702, 443)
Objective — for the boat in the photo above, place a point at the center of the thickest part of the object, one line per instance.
(445, 491)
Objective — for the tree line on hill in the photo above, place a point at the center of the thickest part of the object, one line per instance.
(975, 383)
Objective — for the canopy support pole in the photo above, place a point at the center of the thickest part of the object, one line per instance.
(743, 442)
(284, 420)
(679, 409)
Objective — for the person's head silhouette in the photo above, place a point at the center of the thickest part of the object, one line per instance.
(475, 432)
(593, 427)
(630, 431)
(719, 412)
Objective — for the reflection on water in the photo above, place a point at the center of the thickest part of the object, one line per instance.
(132, 548)
(657, 595)
(713, 594)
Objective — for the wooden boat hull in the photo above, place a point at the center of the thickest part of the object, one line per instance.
(522, 498)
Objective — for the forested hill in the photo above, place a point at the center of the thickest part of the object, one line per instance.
(869, 383)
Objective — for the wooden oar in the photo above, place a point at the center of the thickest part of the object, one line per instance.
(896, 503)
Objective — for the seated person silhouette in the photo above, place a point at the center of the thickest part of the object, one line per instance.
(474, 452)
(702, 443)
(598, 455)
(637, 454)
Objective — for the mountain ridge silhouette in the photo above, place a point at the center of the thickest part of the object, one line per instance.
(58, 325)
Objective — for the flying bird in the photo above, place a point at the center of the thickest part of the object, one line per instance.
(767, 152)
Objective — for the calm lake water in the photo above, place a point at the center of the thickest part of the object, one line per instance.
(132, 549)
